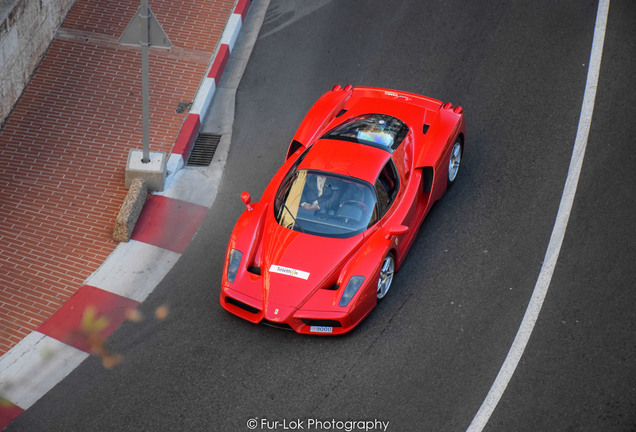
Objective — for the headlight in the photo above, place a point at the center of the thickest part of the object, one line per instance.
(233, 264)
(351, 289)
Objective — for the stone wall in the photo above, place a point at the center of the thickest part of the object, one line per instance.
(26, 30)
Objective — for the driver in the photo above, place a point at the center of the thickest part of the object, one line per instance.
(320, 192)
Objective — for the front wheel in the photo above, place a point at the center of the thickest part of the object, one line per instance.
(386, 276)
(454, 161)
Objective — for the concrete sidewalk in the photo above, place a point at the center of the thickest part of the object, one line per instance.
(63, 152)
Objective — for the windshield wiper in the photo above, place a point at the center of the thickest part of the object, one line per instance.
(296, 224)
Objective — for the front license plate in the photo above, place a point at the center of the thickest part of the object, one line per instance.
(320, 329)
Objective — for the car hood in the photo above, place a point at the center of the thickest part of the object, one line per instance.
(294, 265)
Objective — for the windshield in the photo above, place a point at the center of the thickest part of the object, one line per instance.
(377, 130)
(328, 205)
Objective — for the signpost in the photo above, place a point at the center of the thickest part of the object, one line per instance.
(145, 31)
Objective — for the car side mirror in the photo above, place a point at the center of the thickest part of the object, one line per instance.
(247, 199)
(397, 230)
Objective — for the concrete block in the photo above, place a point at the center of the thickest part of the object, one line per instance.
(130, 211)
(152, 173)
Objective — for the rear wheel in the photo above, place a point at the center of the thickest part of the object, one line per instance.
(454, 161)
(386, 276)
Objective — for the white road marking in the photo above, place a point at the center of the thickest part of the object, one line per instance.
(558, 232)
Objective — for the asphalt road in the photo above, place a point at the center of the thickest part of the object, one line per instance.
(426, 357)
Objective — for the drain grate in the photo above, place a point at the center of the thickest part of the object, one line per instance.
(203, 150)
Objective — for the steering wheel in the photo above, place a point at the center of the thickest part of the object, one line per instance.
(349, 217)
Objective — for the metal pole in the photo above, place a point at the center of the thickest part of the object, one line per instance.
(145, 79)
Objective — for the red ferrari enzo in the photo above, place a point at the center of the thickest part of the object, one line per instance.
(320, 248)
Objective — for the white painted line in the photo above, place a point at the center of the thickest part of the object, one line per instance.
(133, 270)
(34, 366)
(558, 231)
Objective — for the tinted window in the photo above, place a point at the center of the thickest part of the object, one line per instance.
(324, 204)
(377, 130)
(286, 183)
(386, 187)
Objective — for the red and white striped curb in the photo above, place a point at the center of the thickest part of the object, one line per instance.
(47, 355)
(204, 95)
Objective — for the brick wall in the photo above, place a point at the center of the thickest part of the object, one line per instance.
(26, 29)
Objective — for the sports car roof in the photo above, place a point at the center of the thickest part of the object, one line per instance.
(346, 158)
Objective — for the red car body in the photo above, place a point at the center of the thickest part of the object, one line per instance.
(320, 266)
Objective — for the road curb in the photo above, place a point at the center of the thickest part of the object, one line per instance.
(207, 88)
